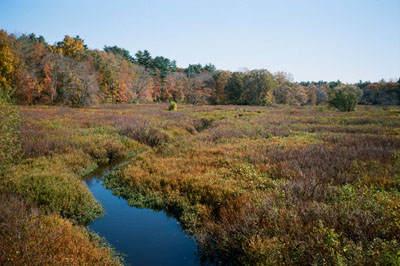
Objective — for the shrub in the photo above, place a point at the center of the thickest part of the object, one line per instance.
(102, 147)
(172, 106)
(202, 124)
(147, 135)
(37, 141)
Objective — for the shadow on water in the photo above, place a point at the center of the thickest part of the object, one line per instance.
(145, 236)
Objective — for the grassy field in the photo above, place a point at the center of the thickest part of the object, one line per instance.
(255, 185)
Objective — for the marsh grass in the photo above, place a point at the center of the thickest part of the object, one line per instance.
(255, 185)
(267, 186)
(27, 237)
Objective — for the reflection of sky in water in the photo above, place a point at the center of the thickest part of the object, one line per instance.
(145, 236)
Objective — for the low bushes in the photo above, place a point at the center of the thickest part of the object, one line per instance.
(38, 141)
(53, 185)
(257, 186)
(102, 143)
(57, 155)
(10, 149)
(262, 189)
(147, 135)
(102, 147)
(202, 124)
(276, 230)
(29, 238)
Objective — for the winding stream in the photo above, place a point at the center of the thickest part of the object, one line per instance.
(145, 236)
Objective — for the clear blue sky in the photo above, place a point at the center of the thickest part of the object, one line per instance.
(312, 39)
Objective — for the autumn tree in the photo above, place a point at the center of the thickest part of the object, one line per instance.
(175, 85)
(27, 84)
(221, 80)
(258, 88)
(301, 94)
(285, 91)
(105, 64)
(383, 93)
(164, 89)
(73, 47)
(311, 92)
(283, 94)
(196, 91)
(8, 63)
(35, 72)
(118, 78)
(142, 85)
(322, 94)
(67, 72)
(282, 77)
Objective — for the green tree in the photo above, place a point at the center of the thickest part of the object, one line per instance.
(118, 51)
(209, 68)
(258, 87)
(346, 97)
(163, 65)
(144, 59)
(193, 70)
(234, 88)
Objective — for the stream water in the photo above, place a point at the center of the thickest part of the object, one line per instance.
(145, 236)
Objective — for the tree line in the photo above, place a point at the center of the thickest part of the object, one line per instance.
(67, 72)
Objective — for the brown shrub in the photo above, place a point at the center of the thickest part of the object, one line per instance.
(37, 141)
(202, 124)
(147, 135)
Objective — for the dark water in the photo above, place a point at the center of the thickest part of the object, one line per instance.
(147, 237)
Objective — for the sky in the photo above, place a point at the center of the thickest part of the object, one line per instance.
(349, 40)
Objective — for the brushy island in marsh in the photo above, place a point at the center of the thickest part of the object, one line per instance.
(254, 185)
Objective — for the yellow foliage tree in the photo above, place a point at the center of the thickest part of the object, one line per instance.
(8, 62)
(70, 47)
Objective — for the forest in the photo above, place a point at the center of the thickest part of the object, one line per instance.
(68, 73)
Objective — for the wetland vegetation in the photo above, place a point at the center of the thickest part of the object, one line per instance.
(253, 185)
